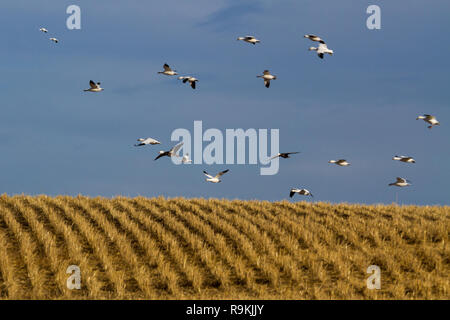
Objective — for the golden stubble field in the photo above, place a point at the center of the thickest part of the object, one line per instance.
(156, 248)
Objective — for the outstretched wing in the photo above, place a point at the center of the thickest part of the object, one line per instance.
(93, 84)
(208, 175)
(401, 180)
(154, 141)
(166, 67)
(320, 55)
(292, 152)
(266, 72)
(291, 194)
(274, 157)
(176, 148)
(267, 83)
(222, 173)
(193, 84)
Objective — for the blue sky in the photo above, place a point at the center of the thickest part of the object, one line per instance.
(360, 104)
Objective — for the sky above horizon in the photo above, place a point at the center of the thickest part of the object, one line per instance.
(360, 104)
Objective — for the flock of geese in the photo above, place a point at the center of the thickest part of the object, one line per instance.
(321, 50)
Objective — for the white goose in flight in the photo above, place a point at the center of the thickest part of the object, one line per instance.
(43, 30)
(429, 119)
(146, 141)
(404, 159)
(54, 40)
(401, 182)
(300, 191)
(215, 179)
(267, 77)
(191, 80)
(172, 152)
(341, 162)
(313, 38)
(167, 71)
(95, 87)
(322, 49)
(249, 39)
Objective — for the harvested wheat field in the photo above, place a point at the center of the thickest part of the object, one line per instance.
(142, 248)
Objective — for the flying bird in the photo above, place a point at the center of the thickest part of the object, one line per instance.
(54, 40)
(167, 71)
(191, 80)
(321, 50)
(43, 30)
(303, 192)
(172, 152)
(186, 159)
(429, 119)
(267, 77)
(216, 178)
(401, 182)
(404, 159)
(146, 141)
(314, 38)
(95, 87)
(284, 155)
(249, 39)
(341, 162)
